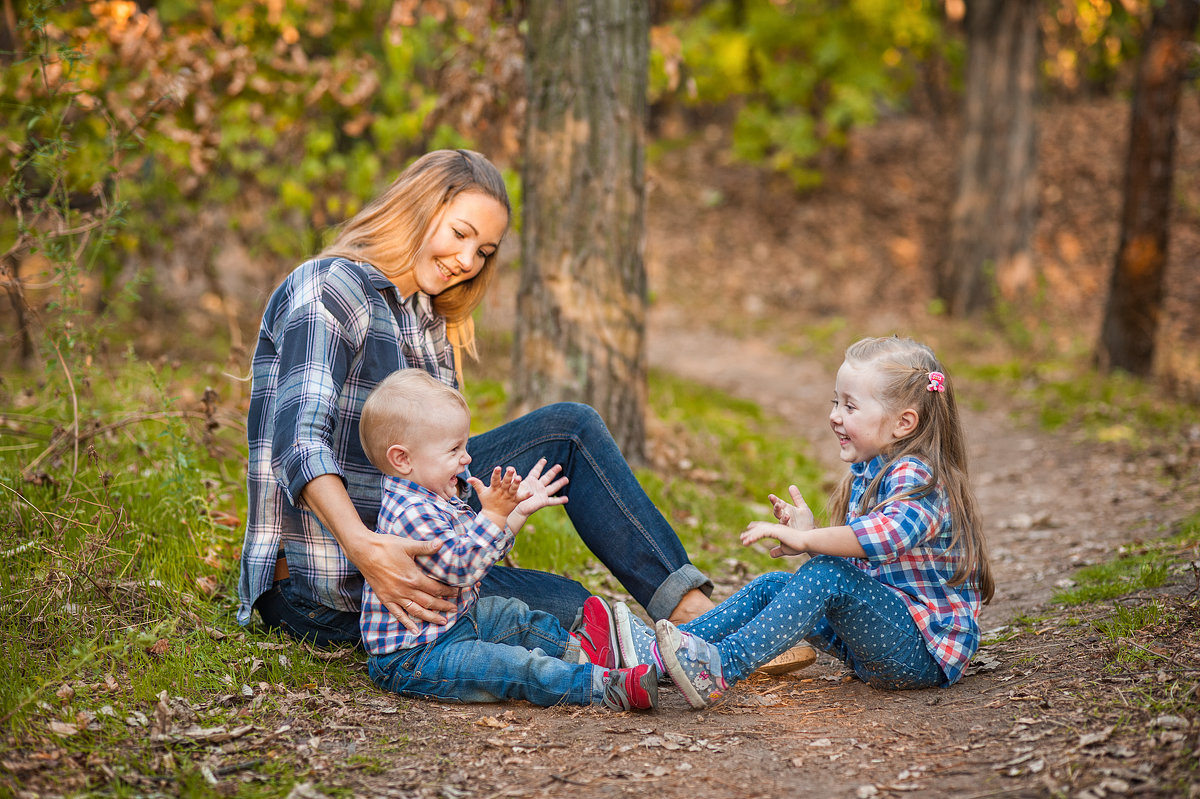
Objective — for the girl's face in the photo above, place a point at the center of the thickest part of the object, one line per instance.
(440, 454)
(459, 238)
(863, 426)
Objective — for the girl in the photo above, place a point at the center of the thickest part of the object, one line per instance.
(895, 591)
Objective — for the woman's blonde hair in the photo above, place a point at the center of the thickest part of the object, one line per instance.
(399, 406)
(903, 367)
(388, 233)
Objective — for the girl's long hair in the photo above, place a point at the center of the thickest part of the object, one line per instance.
(903, 367)
(388, 232)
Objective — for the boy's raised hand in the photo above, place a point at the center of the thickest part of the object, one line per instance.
(538, 490)
(500, 496)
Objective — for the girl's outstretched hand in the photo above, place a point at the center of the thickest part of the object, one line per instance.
(794, 521)
(797, 516)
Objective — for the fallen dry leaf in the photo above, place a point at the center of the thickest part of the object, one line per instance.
(63, 729)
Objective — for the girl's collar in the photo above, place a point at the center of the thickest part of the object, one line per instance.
(868, 469)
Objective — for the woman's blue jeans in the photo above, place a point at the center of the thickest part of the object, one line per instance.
(836, 607)
(608, 508)
(500, 649)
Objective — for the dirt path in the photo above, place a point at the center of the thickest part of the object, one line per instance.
(1017, 725)
(1051, 503)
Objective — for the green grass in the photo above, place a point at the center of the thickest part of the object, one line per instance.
(120, 560)
(1136, 568)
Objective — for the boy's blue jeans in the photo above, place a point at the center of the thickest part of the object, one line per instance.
(499, 649)
(608, 508)
(833, 605)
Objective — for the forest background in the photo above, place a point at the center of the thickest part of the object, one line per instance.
(166, 163)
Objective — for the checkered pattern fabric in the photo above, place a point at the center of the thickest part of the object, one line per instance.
(332, 330)
(471, 544)
(907, 542)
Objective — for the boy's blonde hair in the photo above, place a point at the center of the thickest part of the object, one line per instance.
(903, 368)
(398, 408)
(388, 233)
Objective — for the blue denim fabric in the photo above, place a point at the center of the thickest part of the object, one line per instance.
(608, 508)
(499, 650)
(833, 605)
(283, 607)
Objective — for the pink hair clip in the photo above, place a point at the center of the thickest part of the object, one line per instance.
(937, 382)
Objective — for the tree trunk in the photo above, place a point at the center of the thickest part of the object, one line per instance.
(581, 306)
(1135, 292)
(993, 215)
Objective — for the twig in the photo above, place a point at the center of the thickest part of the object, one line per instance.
(74, 412)
(1167, 658)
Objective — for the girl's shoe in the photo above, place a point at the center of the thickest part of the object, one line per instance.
(635, 639)
(631, 689)
(693, 663)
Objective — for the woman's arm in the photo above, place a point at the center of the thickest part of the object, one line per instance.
(386, 561)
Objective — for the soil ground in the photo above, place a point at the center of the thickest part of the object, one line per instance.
(739, 266)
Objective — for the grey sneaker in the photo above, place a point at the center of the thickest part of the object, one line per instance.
(631, 689)
(693, 663)
(635, 639)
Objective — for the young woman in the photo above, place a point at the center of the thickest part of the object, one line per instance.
(396, 289)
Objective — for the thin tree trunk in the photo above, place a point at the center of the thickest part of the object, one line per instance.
(993, 215)
(581, 305)
(1135, 292)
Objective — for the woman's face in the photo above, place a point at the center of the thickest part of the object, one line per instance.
(467, 231)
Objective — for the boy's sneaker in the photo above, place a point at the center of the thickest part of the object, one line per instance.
(635, 640)
(595, 633)
(631, 689)
(693, 663)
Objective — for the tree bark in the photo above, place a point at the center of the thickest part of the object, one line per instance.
(581, 305)
(1135, 292)
(993, 215)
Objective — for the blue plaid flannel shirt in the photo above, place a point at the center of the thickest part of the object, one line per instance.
(471, 545)
(332, 330)
(908, 549)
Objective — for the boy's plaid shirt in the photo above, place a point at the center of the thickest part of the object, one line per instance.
(908, 549)
(471, 545)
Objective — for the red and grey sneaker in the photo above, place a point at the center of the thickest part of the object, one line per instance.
(631, 689)
(596, 634)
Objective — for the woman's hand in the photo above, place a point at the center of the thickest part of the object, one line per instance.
(385, 561)
(400, 584)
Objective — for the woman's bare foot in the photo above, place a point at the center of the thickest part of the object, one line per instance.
(693, 604)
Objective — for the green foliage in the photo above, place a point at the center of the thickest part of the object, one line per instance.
(270, 120)
(804, 73)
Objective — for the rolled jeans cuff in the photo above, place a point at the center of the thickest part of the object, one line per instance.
(672, 589)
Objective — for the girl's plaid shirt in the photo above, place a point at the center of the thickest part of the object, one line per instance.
(907, 542)
(471, 545)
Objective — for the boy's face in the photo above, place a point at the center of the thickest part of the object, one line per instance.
(439, 454)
